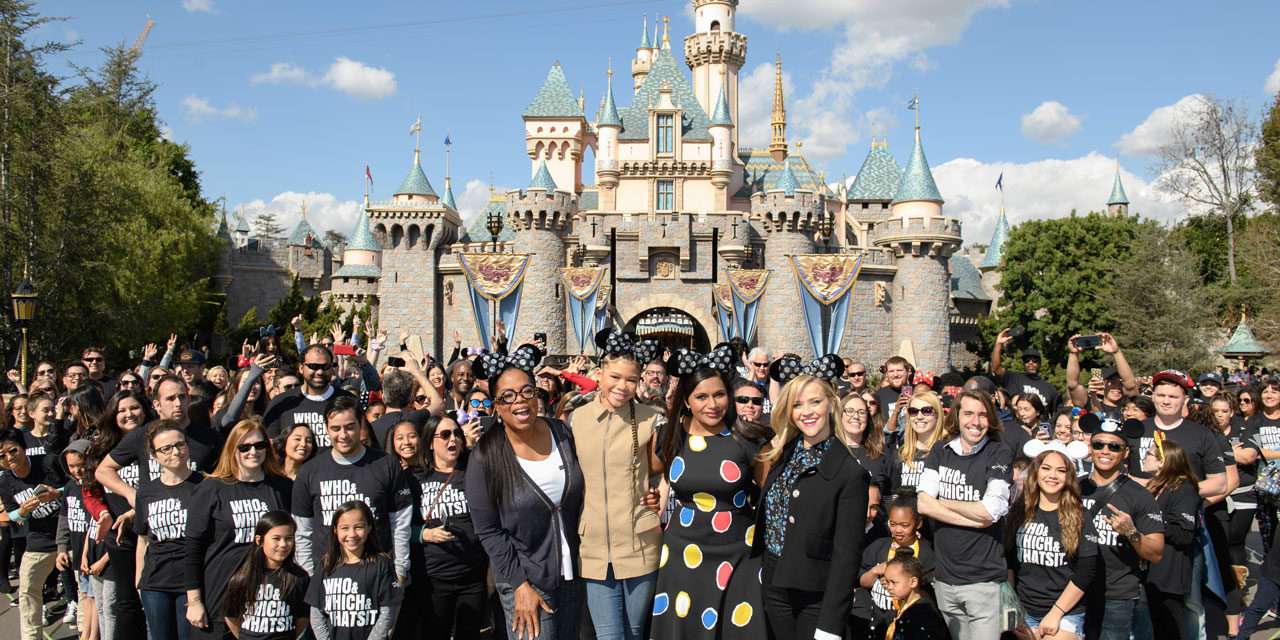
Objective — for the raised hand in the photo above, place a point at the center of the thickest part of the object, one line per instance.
(173, 341)
(296, 322)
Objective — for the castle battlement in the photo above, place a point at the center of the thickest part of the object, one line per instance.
(716, 47)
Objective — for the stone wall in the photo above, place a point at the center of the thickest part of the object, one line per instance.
(780, 320)
(407, 290)
(921, 309)
(542, 305)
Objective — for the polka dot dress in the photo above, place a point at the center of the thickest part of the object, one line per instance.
(707, 586)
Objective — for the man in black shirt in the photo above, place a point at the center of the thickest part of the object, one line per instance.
(1118, 382)
(896, 388)
(30, 492)
(95, 360)
(191, 367)
(306, 404)
(1019, 383)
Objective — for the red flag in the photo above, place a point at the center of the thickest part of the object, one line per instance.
(368, 174)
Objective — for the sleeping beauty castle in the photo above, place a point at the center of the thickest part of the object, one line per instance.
(677, 232)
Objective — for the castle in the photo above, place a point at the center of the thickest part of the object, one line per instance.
(675, 201)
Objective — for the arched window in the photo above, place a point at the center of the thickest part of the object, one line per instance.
(715, 26)
(414, 233)
(397, 234)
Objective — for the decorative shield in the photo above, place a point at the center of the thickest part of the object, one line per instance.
(494, 275)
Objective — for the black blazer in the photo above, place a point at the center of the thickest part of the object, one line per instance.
(823, 547)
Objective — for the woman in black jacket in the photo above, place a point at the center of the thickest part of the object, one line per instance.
(813, 513)
(1178, 496)
(525, 489)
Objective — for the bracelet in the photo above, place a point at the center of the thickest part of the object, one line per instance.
(1055, 606)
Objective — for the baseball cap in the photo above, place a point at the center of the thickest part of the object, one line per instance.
(1212, 378)
(190, 356)
(1109, 373)
(1030, 353)
(1173, 376)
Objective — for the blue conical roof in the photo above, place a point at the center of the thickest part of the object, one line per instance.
(788, 183)
(609, 113)
(416, 182)
(720, 116)
(448, 196)
(361, 237)
(879, 176)
(224, 231)
(542, 179)
(555, 99)
(302, 233)
(995, 250)
(644, 33)
(1243, 343)
(917, 181)
(242, 225)
(1118, 195)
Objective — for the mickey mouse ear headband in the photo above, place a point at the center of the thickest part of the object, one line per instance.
(1077, 450)
(1091, 424)
(616, 343)
(685, 361)
(488, 365)
(827, 368)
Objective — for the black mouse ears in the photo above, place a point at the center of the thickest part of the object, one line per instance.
(1092, 423)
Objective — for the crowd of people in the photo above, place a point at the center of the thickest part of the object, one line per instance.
(644, 492)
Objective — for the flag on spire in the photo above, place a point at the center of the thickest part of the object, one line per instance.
(368, 174)
(914, 103)
(416, 127)
(1000, 182)
(447, 141)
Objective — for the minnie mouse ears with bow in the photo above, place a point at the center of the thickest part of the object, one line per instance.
(487, 365)
(1077, 450)
(1091, 424)
(612, 342)
(686, 361)
(827, 368)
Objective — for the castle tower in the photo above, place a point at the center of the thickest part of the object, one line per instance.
(923, 241)
(1118, 203)
(242, 230)
(607, 166)
(867, 200)
(991, 262)
(538, 215)
(778, 121)
(412, 230)
(307, 258)
(645, 54)
(722, 148)
(556, 132)
(788, 214)
(448, 180)
(224, 231)
(356, 281)
(715, 54)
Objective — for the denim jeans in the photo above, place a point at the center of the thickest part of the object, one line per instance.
(166, 614)
(565, 601)
(1265, 598)
(619, 608)
(104, 595)
(1116, 621)
(1073, 623)
(1193, 625)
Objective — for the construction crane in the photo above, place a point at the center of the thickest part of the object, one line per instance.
(136, 49)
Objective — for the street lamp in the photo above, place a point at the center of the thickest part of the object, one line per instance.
(825, 229)
(493, 222)
(24, 311)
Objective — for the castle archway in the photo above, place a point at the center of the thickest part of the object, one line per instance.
(672, 327)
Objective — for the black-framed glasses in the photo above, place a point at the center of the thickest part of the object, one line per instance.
(1246, 400)
(855, 413)
(245, 447)
(129, 382)
(476, 403)
(756, 400)
(419, 399)
(918, 411)
(167, 449)
(759, 364)
(46, 372)
(510, 396)
(92, 359)
(1113, 447)
(316, 366)
(857, 373)
(448, 434)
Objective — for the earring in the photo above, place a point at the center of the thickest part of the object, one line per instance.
(686, 412)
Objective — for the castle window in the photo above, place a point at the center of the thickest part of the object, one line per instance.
(666, 133)
(715, 26)
(666, 200)
(866, 205)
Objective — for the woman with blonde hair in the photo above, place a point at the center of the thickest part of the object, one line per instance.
(925, 428)
(224, 513)
(813, 514)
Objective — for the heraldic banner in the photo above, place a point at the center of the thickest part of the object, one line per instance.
(583, 285)
(747, 286)
(722, 299)
(496, 277)
(826, 286)
(602, 310)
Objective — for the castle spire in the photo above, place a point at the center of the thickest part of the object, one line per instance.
(644, 32)
(609, 112)
(1118, 196)
(917, 183)
(778, 143)
(448, 179)
(721, 115)
(666, 33)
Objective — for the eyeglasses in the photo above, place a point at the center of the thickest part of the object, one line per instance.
(245, 447)
(1113, 447)
(316, 367)
(1246, 400)
(759, 364)
(856, 374)
(46, 372)
(756, 400)
(167, 449)
(448, 434)
(419, 399)
(476, 403)
(129, 382)
(528, 392)
(855, 413)
(91, 359)
(919, 411)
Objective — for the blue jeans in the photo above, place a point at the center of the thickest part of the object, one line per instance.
(619, 608)
(565, 601)
(1073, 623)
(166, 614)
(1116, 621)
(1266, 597)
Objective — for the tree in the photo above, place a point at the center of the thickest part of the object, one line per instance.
(266, 226)
(334, 238)
(1158, 302)
(1260, 265)
(1267, 157)
(1208, 164)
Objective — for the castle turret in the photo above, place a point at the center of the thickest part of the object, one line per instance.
(722, 148)
(923, 241)
(224, 231)
(356, 281)
(645, 53)
(1118, 203)
(538, 215)
(416, 187)
(778, 120)
(242, 230)
(715, 54)
(788, 214)
(607, 166)
(448, 180)
(556, 132)
(307, 258)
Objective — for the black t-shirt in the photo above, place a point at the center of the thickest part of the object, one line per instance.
(1121, 569)
(42, 524)
(967, 555)
(1180, 510)
(381, 428)
(1265, 433)
(323, 485)
(351, 595)
(1244, 433)
(1204, 451)
(871, 604)
(1018, 383)
(220, 525)
(1015, 436)
(277, 606)
(162, 513)
(77, 520)
(49, 444)
(295, 407)
(902, 474)
(877, 467)
(888, 399)
(463, 557)
(1105, 410)
(203, 447)
(1042, 565)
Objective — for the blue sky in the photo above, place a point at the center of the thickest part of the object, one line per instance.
(287, 101)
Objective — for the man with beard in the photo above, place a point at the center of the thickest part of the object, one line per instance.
(1027, 382)
(1118, 382)
(191, 367)
(306, 404)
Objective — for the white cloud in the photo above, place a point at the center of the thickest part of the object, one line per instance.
(198, 6)
(325, 211)
(351, 77)
(1273, 81)
(1153, 133)
(877, 36)
(474, 199)
(166, 132)
(1050, 123)
(1041, 189)
(199, 110)
(755, 104)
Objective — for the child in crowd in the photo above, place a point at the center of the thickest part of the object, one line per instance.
(265, 595)
(917, 618)
(357, 596)
(872, 605)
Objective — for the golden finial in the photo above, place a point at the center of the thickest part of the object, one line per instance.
(609, 71)
(778, 122)
(666, 32)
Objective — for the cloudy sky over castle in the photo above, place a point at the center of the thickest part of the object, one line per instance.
(283, 102)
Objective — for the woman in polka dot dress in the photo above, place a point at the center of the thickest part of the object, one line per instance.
(707, 586)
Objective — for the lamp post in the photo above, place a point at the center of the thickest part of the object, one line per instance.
(493, 222)
(825, 229)
(24, 310)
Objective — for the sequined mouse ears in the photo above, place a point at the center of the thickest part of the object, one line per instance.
(827, 368)
(525, 358)
(686, 361)
(1092, 423)
(615, 343)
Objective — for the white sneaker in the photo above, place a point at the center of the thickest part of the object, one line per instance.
(69, 618)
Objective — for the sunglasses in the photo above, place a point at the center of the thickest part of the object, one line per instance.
(1113, 447)
(757, 401)
(91, 359)
(1246, 400)
(46, 372)
(476, 403)
(448, 434)
(919, 411)
(129, 382)
(857, 373)
(759, 364)
(172, 448)
(260, 445)
(316, 367)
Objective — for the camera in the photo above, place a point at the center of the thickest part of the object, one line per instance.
(1088, 342)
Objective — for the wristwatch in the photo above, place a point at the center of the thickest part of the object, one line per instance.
(1134, 538)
